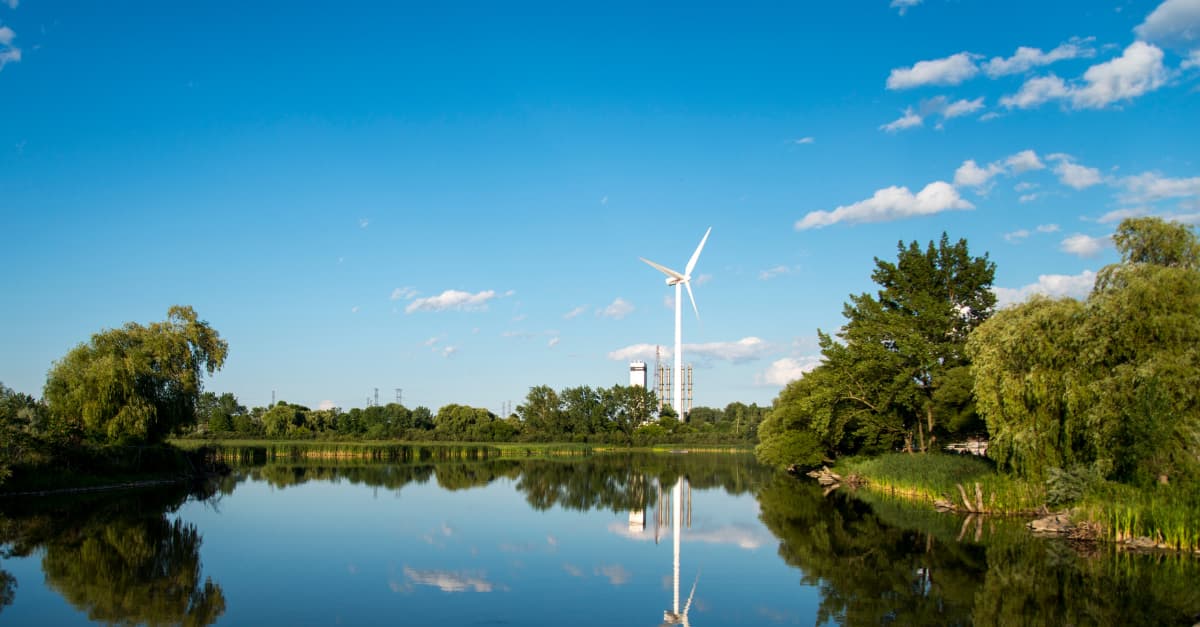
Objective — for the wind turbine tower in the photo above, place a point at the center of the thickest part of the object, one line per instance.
(680, 281)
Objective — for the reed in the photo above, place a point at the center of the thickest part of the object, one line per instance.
(936, 476)
(1168, 516)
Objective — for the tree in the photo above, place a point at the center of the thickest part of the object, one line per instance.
(630, 406)
(897, 371)
(1025, 376)
(543, 413)
(137, 383)
(1113, 384)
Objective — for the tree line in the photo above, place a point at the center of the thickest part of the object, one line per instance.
(615, 415)
(140, 384)
(1105, 388)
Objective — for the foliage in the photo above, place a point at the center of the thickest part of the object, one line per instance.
(1023, 360)
(1113, 383)
(1064, 487)
(137, 383)
(899, 372)
(937, 476)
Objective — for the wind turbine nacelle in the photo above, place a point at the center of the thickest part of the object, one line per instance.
(673, 281)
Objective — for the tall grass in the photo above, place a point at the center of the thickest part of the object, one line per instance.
(1168, 515)
(934, 476)
(258, 452)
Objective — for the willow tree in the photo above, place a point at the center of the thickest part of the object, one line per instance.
(1113, 383)
(137, 383)
(1141, 357)
(1024, 363)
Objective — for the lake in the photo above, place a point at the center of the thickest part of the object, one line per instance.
(607, 539)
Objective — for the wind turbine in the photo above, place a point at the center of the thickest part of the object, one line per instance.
(678, 280)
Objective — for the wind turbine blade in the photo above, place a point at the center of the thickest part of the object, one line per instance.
(687, 606)
(696, 255)
(663, 269)
(688, 284)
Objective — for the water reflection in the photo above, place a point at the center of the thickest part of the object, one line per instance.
(136, 557)
(885, 562)
(118, 559)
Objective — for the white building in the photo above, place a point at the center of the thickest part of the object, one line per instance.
(637, 373)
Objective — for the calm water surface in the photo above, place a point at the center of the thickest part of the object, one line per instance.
(588, 541)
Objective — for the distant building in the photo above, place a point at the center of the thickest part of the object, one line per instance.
(637, 373)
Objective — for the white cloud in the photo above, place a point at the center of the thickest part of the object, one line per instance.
(742, 536)
(1192, 61)
(634, 352)
(326, 404)
(703, 279)
(1021, 234)
(449, 581)
(804, 140)
(788, 369)
(616, 574)
(354, 309)
(1174, 23)
(1037, 91)
(576, 312)
(891, 203)
(520, 317)
(770, 273)
(553, 342)
(969, 174)
(1117, 215)
(1026, 58)
(616, 310)
(1074, 175)
(910, 119)
(8, 52)
(433, 340)
(1024, 198)
(1052, 285)
(363, 223)
(1137, 71)
(12, 4)
(1024, 186)
(1084, 245)
(452, 300)
(406, 293)
(510, 293)
(1024, 161)
(902, 6)
(962, 107)
(449, 351)
(743, 350)
(951, 70)
(1152, 187)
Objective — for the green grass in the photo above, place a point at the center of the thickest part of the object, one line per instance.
(1167, 515)
(935, 476)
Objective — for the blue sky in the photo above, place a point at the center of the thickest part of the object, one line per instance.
(451, 199)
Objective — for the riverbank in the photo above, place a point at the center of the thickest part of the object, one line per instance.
(399, 451)
(1163, 517)
(98, 468)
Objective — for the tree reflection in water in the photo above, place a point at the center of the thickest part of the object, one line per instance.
(888, 562)
(117, 558)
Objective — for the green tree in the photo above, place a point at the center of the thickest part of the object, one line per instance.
(1113, 383)
(543, 413)
(630, 407)
(1025, 376)
(897, 372)
(137, 383)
